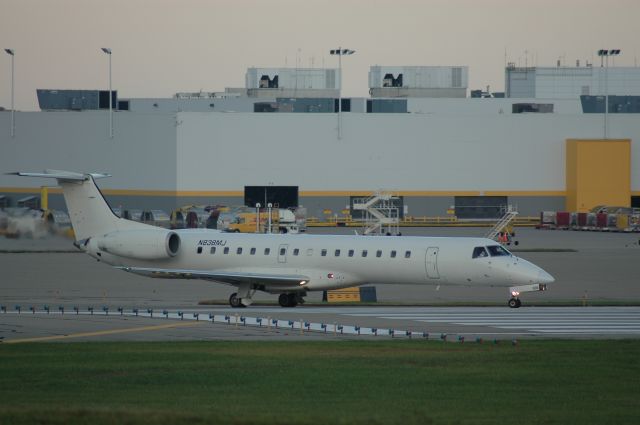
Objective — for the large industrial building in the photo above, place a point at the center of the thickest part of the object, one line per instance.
(546, 145)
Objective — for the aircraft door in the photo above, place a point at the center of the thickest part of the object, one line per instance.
(282, 253)
(431, 263)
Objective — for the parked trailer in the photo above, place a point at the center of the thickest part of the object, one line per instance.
(601, 221)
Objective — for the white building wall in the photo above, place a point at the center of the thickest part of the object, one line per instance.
(172, 105)
(571, 82)
(295, 78)
(514, 152)
(141, 155)
(420, 76)
(194, 151)
(486, 106)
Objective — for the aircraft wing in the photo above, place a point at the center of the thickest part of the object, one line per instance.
(232, 278)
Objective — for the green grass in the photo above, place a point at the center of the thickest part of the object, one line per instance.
(346, 382)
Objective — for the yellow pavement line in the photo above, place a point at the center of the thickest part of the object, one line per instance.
(101, 333)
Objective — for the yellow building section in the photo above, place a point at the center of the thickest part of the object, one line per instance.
(598, 172)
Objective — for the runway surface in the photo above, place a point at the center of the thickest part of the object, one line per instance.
(493, 321)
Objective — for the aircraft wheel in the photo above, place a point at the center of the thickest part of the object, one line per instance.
(514, 303)
(283, 300)
(234, 301)
(288, 300)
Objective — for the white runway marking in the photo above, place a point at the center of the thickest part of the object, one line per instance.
(580, 320)
(429, 322)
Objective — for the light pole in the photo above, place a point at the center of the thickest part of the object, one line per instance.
(11, 52)
(108, 52)
(258, 217)
(606, 53)
(340, 52)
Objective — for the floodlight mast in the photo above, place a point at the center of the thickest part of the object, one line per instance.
(11, 53)
(340, 52)
(604, 53)
(108, 52)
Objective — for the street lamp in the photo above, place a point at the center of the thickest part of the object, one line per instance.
(258, 217)
(11, 52)
(108, 52)
(604, 53)
(340, 52)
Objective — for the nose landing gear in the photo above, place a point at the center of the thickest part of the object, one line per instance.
(235, 301)
(515, 291)
(515, 302)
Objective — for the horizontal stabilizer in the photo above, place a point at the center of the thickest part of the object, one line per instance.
(62, 175)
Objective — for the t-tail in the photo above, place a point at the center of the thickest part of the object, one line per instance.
(90, 213)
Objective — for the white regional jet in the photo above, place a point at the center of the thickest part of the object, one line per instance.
(289, 265)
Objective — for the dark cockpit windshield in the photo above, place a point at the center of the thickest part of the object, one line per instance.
(479, 252)
(498, 251)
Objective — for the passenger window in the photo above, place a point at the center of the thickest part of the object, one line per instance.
(364, 252)
(378, 253)
(479, 252)
(351, 253)
(226, 249)
(393, 254)
(267, 251)
(239, 251)
(407, 254)
(337, 253)
(310, 252)
(323, 252)
(253, 251)
(213, 250)
(199, 250)
(283, 251)
(497, 251)
(296, 251)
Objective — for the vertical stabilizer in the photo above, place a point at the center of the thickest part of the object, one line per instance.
(89, 212)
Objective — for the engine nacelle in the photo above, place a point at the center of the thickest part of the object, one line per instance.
(147, 244)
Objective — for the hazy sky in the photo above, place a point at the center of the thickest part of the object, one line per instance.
(161, 47)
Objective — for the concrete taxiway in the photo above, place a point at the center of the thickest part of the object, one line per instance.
(601, 267)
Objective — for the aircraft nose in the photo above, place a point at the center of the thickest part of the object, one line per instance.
(545, 278)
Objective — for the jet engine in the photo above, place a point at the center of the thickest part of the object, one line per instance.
(147, 244)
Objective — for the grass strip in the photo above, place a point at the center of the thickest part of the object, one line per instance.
(345, 382)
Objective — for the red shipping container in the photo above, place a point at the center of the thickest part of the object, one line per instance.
(582, 219)
(601, 220)
(563, 219)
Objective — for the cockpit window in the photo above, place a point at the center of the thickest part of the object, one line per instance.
(479, 252)
(497, 251)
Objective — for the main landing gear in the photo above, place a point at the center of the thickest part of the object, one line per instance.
(285, 300)
(515, 302)
(290, 300)
(235, 301)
